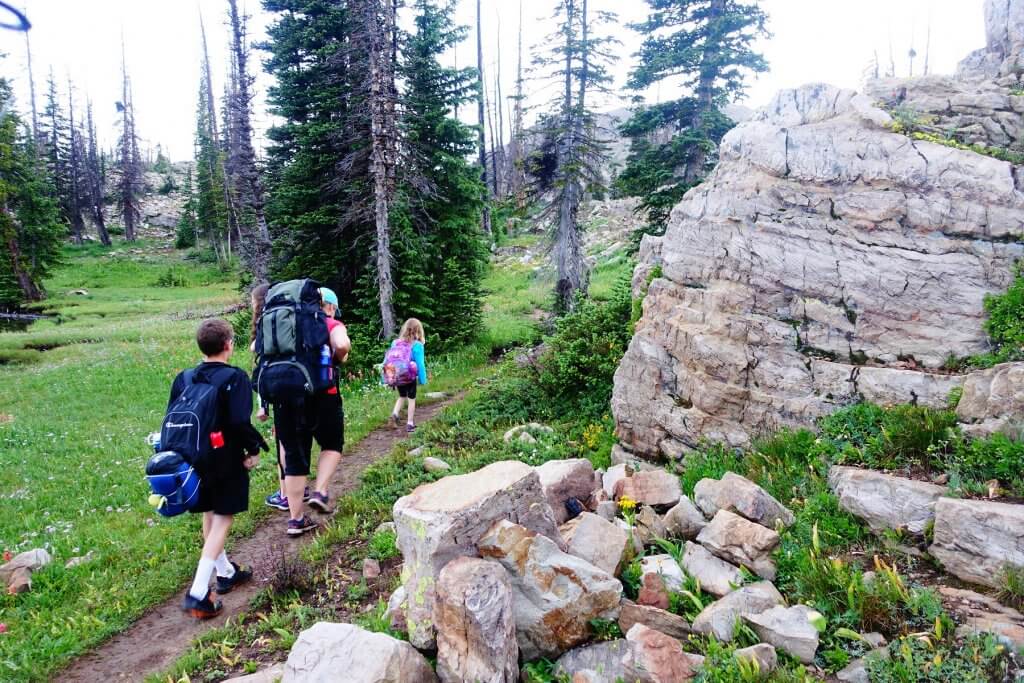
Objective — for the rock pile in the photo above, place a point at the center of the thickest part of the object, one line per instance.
(16, 573)
(489, 580)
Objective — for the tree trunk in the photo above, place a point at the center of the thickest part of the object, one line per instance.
(249, 187)
(491, 128)
(481, 122)
(383, 132)
(29, 290)
(694, 170)
(32, 91)
(74, 198)
(516, 179)
(95, 179)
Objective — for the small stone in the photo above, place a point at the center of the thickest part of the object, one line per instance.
(476, 631)
(719, 618)
(325, 649)
(649, 525)
(597, 541)
(527, 438)
(431, 464)
(395, 613)
(371, 569)
(614, 475)
(658, 658)
(941, 480)
(684, 520)
(269, 675)
(666, 567)
(652, 617)
(80, 560)
(742, 496)
(436, 395)
(874, 639)
(555, 594)
(607, 509)
(789, 629)
(737, 540)
(656, 488)
(715, 575)
(653, 592)
(854, 672)
(416, 452)
(563, 480)
(19, 581)
(762, 654)
(605, 657)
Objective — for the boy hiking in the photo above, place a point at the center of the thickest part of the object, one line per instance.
(404, 368)
(317, 417)
(224, 491)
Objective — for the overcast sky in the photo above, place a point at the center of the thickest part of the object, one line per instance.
(813, 40)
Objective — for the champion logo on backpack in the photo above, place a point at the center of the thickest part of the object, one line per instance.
(171, 425)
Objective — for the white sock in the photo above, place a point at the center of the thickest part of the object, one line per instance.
(224, 567)
(204, 572)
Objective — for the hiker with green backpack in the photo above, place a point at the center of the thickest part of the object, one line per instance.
(297, 343)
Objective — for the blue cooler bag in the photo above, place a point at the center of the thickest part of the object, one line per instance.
(174, 482)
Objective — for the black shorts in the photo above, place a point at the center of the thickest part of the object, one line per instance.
(322, 418)
(224, 495)
(407, 390)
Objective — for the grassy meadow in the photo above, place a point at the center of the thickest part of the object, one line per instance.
(79, 392)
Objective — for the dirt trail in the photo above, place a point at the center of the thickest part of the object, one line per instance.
(163, 633)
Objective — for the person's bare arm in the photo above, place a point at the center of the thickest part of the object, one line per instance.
(341, 343)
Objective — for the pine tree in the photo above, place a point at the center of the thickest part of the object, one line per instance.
(54, 143)
(443, 190)
(578, 58)
(76, 200)
(186, 236)
(129, 163)
(211, 191)
(95, 179)
(30, 227)
(247, 186)
(707, 44)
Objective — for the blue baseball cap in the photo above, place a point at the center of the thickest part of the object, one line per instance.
(328, 296)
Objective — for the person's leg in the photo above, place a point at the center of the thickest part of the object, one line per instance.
(216, 537)
(412, 412)
(328, 464)
(207, 521)
(294, 485)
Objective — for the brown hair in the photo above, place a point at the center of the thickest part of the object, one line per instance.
(412, 331)
(213, 336)
(259, 300)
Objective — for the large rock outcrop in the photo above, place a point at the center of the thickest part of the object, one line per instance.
(1004, 43)
(827, 259)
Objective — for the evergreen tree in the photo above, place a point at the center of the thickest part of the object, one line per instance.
(707, 44)
(95, 175)
(211, 220)
(186, 236)
(76, 199)
(129, 162)
(55, 144)
(446, 247)
(578, 58)
(30, 227)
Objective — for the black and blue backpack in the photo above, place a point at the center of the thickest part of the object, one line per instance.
(186, 445)
(290, 335)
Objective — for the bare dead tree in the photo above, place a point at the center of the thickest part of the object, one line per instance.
(95, 179)
(246, 182)
(927, 43)
(500, 172)
(31, 88)
(481, 122)
(492, 132)
(516, 181)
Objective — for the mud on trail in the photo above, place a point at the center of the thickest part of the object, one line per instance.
(153, 642)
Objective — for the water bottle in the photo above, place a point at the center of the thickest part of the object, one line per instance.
(154, 441)
(325, 363)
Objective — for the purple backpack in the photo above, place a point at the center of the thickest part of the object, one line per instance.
(399, 367)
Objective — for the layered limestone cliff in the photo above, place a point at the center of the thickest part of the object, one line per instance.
(827, 259)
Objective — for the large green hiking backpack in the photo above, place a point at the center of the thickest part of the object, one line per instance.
(290, 338)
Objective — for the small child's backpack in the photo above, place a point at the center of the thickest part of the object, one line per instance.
(399, 367)
(174, 483)
(290, 336)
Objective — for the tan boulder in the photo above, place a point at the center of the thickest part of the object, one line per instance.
(745, 543)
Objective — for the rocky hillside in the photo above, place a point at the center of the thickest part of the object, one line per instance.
(837, 253)
(162, 201)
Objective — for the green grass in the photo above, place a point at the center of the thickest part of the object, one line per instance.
(72, 450)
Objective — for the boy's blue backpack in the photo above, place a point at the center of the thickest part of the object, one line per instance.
(188, 436)
(174, 482)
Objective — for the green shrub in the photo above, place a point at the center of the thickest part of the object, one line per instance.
(978, 659)
(384, 545)
(890, 438)
(583, 354)
(172, 277)
(1005, 324)
(1011, 590)
(241, 323)
(993, 457)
